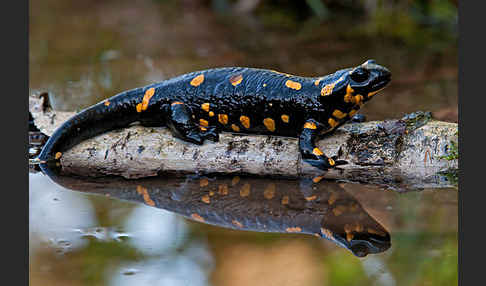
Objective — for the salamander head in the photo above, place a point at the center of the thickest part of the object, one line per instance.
(356, 85)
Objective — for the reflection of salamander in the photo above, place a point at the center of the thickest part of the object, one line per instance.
(252, 204)
(198, 105)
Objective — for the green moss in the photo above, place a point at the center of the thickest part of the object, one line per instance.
(453, 152)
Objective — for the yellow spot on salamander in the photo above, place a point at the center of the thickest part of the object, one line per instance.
(331, 162)
(197, 80)
(269, 123)
(203, 128)
(285, 118)
(317, 179)
(293, 85)
(311, 198)
(235, 180)
(317, 152)
(237, 223)
(374, 92)
(176, 103)
(264, 84)
(211, 114)
(245, 121)
(223, 189)
(146, 98)
(316, 83)
(245, 190)
(333, 123)
(203, 182)
(358, 99)
(269, 191)
(285, 200)
(139, 107)
(327, 89)
(310, 125)
(206, 199)
(223, 118)
(293, 229)
(203, 122)
(205, 106)
(197, 217)
(349, 94)
(107, 103)
(338, 114)
(58, 155)
(236, 80)
(235, 128)
(352, 112)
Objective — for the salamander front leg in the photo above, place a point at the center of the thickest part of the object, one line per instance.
(308, 150)
(182, 126)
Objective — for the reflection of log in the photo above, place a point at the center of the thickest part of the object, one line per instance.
(392, 152)
(254, 204)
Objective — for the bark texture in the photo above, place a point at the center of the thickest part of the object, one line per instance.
(405, 152)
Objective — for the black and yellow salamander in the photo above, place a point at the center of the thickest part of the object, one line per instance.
(198, 105)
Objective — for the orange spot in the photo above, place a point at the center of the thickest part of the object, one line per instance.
(203, 122)
(197, 217)
(317, 152)
(338, 114)
(223, 118)
(245, 190)
(311, 198)
(211, 114)
(269, 123)
(310, 125)
(203, 128)
(203, 182)
(139, 107)
(352, 112)
(333, 123)
(245, 121)
(331, 162)
(211, 193)
(235, 180)
(237, 223)
(285, 200)
(146, 98)
(317, 179)
(235, 128)
(236, 80)
(269, 191)
(197, 80)
(177, 102)
(206, 199)
(293, 85)
(205, 106)
(285, 118)
(58, 155)
(223, 189)
(293, 229)
(327, 89)
(358, 99)
(107, 103)
(316, 83)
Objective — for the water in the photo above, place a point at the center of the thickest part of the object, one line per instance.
(119, 232)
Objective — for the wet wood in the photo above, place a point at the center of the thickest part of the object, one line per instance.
(392, 152)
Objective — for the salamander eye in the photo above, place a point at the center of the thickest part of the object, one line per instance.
(359, 74)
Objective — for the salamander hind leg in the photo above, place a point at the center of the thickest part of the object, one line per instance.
(310, 153)
(182, 125)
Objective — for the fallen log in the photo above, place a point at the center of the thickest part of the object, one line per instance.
(414, 151)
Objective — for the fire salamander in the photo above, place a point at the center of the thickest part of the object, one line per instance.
(198, 105)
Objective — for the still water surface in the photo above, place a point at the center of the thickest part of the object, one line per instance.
(150, 232)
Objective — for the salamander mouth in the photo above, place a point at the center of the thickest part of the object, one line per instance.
(380, 83)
